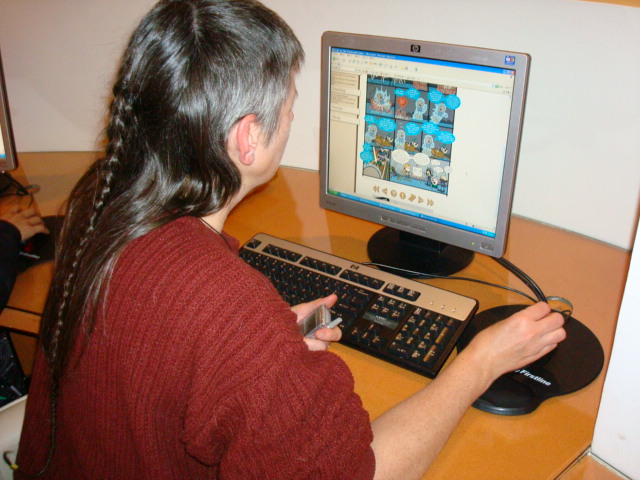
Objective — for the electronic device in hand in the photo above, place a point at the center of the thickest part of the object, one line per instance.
(320, 318)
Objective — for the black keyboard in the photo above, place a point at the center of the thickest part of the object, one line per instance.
(405, 322)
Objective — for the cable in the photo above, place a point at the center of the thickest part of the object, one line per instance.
(526, 279)
(565, 306)
(12, 181)
(20, 190)
(8, 461)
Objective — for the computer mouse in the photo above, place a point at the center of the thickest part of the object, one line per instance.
(41, 247)
(574, 364)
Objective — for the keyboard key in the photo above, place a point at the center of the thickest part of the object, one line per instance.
(362, 279)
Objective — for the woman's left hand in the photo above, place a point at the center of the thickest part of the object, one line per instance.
(324, 336)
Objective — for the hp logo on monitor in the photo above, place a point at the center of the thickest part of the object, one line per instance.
(415, 48)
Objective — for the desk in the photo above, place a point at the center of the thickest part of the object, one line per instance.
(55, 174)
(537, 446)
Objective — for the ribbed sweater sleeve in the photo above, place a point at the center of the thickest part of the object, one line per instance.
(286, 412)
(196, 369)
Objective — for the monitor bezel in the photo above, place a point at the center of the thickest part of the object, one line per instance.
(10, 162)
(495, 246)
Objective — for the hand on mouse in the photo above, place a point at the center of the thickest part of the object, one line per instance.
(28, 222)
(518, 340)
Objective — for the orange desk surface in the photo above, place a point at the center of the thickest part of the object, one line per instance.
(537, 446)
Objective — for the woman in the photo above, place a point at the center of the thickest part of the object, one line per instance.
(163, 354)
(17, 225)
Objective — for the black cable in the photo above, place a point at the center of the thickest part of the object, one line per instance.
(20, 190)
(526, 279)
(12, 181)
(566, 308)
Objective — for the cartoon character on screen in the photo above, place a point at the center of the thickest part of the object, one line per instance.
(402, 102)
(382, 156)
(428, 174)
(411, 146)
(444, 181)
(427, 145)
(406, 170)
(439, 113)
(401, 138)
(434, 183)
(381, 101)
(370, 136)
(421, 109)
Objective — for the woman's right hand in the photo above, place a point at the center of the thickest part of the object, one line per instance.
(408, 437)
(28, 222)
(518, 340)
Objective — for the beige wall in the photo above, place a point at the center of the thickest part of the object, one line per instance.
(616, 439)
(579, 165)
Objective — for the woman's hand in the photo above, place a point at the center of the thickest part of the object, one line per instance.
(517, 341)
(28, 222)
(324, 336)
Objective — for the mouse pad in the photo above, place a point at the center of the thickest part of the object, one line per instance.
(41, 247)
(574, 364)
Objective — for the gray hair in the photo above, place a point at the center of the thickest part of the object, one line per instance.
(191, 70)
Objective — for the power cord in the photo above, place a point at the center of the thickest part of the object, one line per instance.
(8, 183)
(526, 279)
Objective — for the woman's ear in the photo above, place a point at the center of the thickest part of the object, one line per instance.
(245, 136)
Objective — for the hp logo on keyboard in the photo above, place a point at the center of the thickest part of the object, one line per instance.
(415, 48)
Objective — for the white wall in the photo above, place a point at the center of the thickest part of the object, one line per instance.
(580, 157)
(616, 438)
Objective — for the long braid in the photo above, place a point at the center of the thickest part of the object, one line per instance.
(103, 185)
(183, 83)
(106, 166)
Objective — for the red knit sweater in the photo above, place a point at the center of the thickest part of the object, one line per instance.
(196, 369)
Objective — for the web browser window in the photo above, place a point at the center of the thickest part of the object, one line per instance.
(423, 137)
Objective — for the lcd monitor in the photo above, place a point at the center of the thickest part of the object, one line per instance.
(423, 139)
(8, 159)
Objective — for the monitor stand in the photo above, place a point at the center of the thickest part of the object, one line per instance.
(419, 255)
(574, 364)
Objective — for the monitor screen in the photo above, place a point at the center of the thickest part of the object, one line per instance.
(422, 138)
(8, 159)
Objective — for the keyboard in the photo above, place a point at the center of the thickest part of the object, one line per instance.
(401, 321)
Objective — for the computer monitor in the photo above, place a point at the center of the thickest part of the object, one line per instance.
(8, 159)
(422, 138)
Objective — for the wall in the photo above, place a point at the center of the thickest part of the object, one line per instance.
(579, 165)
(617, 434)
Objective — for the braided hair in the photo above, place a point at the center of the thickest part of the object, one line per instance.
(191, 70)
